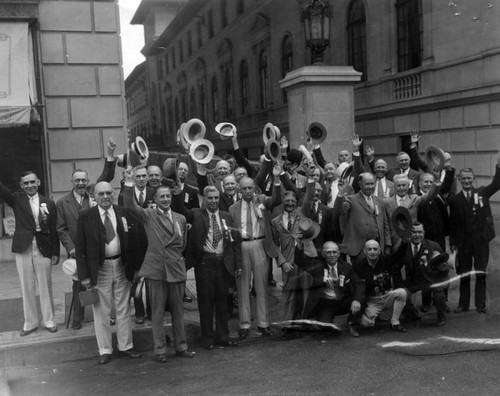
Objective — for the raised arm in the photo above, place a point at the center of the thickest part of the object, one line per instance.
(108, 172)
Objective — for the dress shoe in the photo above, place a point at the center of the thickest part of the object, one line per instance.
(424, 308)
(398, 327)
(187, 299)
(104, 359)
(209, 347)
(52, 329)
(228, 343)
(161, 358)
(24, 333)
(112, 322)
(481, 310)
(352, 331)
(265, 332)
(139, 319)
(130, 353)
(440, 322)
(76, 326)
(460, 310)
(185, 354)
(243, 333)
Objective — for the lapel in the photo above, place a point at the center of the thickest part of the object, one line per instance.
(25, 204)
(205, 220)
(72, 204)
(120, 229)
(237, 213)
(364, 204)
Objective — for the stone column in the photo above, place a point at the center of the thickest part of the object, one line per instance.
(322, 94)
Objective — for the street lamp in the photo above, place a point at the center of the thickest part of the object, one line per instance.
(316, 17)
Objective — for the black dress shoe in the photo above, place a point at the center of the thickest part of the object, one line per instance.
(425, 308)
(24, 333)
(52, 329)
(460, 310)
(398, 327)
(185, 354)
(271, 282)
(265, 332)
(209, 347)
(228, 343)
(104, 359)
(161, 358)
(139, 319)
(130, 353)
(243, 333)
(76, 326)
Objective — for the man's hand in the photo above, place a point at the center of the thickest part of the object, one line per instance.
(176, 188)
(54, 260)
(356, 143)
(287, 267)
(370, 152)
(277, 169)
(414, 137)
(111, 148)
(355, 307)
(72, 253)
(128, 174)
(85, 282)
(234, 141)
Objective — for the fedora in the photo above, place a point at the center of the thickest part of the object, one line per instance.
(193, 130)
(202, 151)
(272, 150)
(435, 158)
(440, 262)
(226, 130)
(170, 168)
(401, 222)
(270, 132)
(317, 132)
(309, 229)
(69, 268)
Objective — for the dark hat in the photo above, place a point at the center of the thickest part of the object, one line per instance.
(272, 150)
(317, 132)
(294, 156)
(170, 168)
(309, 229)
(402, 222)
(435, 158)
(440, 262)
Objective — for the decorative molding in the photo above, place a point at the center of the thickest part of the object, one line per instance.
(19, 10)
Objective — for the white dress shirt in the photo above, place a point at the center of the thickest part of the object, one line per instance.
(113, 248)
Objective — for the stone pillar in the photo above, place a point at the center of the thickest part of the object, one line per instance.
(322, 94)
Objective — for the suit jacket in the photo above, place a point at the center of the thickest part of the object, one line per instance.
(91, 241)
(285, 239)
(148, 199)
(265, 221)
(353, 286)
(68, 209)
(46, 239)
(361, 223)
(413, 175)
(418, 274)
(225, 201)
(166, 241)
(468, 218)
(190, 196)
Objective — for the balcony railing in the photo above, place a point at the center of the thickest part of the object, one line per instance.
(407, 87)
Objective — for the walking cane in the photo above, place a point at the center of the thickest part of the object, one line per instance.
(70, 309)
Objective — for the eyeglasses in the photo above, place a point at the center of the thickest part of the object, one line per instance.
(80, 180)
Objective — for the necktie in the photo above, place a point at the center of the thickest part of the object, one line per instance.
(415, 250)
(380, 189)
(216, 232)
(333, 274)
(168, 216)
(34, 208)
(110, 231)
(468, 195)
(249, 221)
(290, 221)
(370, 202)
(141, 198)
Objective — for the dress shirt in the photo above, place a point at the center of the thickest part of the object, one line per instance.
(138, 193)
(208, 242)
(79, 198)
(113, 248)
(334, 192)
(287, 218)
(35, 209)
(401, 200)
(256, 228)
(331, 280)
(369, 201)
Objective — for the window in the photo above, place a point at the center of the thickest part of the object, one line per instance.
(189, 43)
(356, 37)
(159, 68)
(177, 113)
(263, 80)
(192, 104)
(240, 7)
(244, 86)
(215, 100)
(184, 109)
(181, 52)
(203, 100)
(210, 22)
(199, 33)
(173, 58)
(167, 66)
(409, 33)
(228, 93)
(223, 13)
(286, 60)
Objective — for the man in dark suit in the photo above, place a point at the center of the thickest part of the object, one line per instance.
(403, 160)
(155, 177)
(336, 288)
(36, 248)
(189, 193)
(471, 230)
(68, 208)
(163, 267)
(109, 250)
(214, 249)
(230, 195)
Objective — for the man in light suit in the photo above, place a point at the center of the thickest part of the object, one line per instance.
(363, 218)
(163, 267)
(252, 217)
(68, 209)
(403, 160)
(36, 248)
(109, 250)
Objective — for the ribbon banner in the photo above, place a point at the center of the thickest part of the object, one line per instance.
(16, 74)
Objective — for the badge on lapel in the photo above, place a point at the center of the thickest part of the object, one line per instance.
(125, 224)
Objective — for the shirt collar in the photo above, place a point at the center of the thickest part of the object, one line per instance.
(102, 211)
(35, 197)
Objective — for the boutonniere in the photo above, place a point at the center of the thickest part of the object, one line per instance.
(426, 251)
(43, 209)
(226, 230)
(125, 224)
(376, 209)
(178, 227)
(92, 202)
(259, 209)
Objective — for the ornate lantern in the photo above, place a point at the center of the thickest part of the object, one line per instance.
(316, 17)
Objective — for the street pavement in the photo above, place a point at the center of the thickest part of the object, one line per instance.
(460, 358)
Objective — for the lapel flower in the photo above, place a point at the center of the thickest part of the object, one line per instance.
(43, 209)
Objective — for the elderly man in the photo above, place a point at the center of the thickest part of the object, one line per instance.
(381, 299)
(230, 195)
(189, 193)
(344, 156)
(68, 209)
(336, 289)
(109, 251)
(36, 249)
(403, 160)
(214, 249)
(155, 176)
(363, 218)
(384, 188)
(471, 230)
(252, 217)
(163, 266)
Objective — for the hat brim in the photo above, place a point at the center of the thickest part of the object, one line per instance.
(317, 230)
(314, 130)
(186, 128)
(69, 268)
(268, 132)
(441, 258)
(402, 222)
(222, 130)
(435, 158)
(199, 146)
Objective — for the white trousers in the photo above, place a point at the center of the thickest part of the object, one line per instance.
(112, 285)
(389, 305)
(33, 269)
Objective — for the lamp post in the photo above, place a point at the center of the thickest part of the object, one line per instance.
(316, 16)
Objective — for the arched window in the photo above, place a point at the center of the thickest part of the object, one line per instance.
(409, 26)
(184, 108)
(203, 100)
(177, 113)
(356, 37)
(263, 79)
(244, 87)
(228, 93)
(192, 103)
(215, 100)
(286, 60)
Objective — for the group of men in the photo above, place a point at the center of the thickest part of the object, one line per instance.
(330, 228)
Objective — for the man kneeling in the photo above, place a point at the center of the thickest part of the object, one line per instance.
(381, 300)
